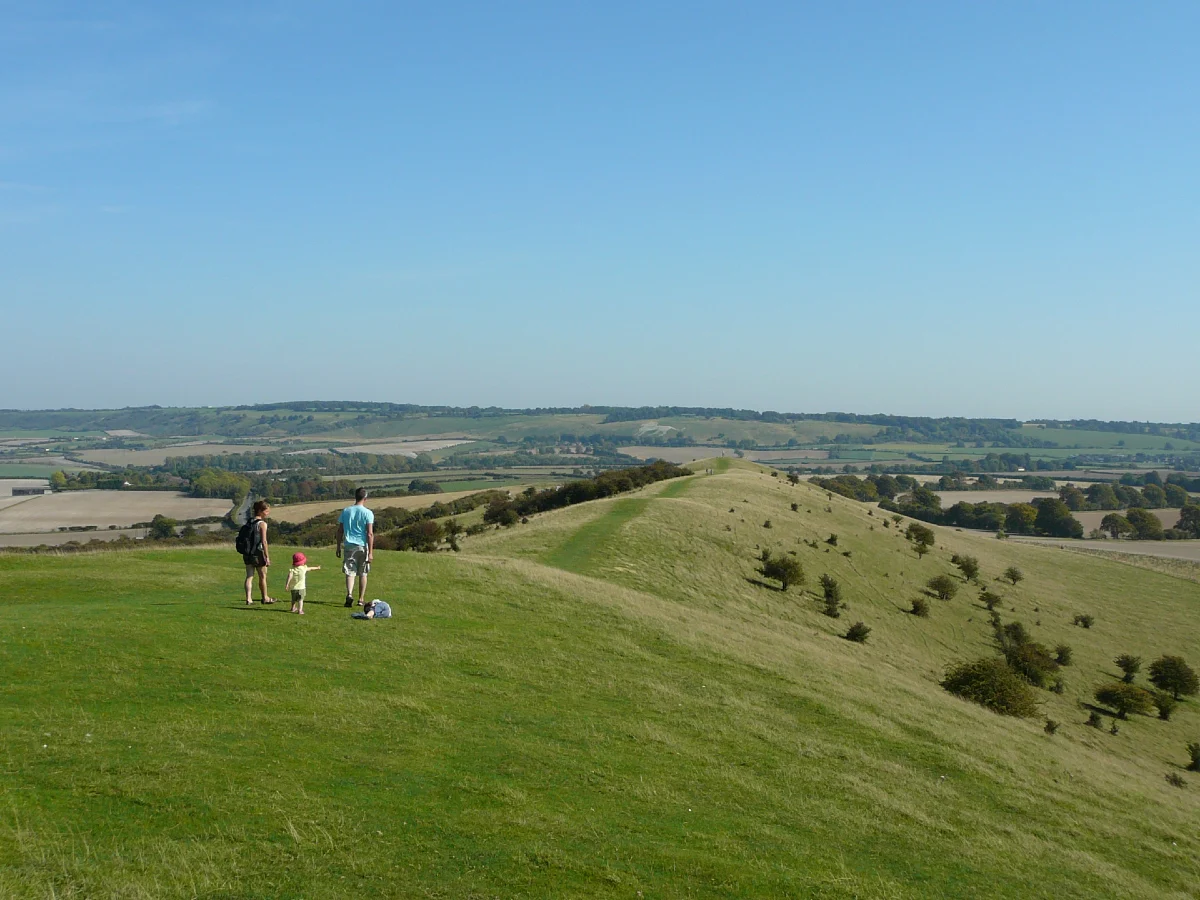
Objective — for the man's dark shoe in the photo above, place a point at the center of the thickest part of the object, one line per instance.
(349, 601)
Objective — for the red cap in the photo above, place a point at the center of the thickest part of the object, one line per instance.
(299, 559)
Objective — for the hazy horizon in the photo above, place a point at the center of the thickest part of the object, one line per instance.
(936, 209)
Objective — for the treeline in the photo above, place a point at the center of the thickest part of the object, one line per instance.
(1106, 495)
(1186, 431)
(390, 522)
(504, 511)
(1047, 516)
(327, 463)
(126, 480)
(985, 482)
(292, 488)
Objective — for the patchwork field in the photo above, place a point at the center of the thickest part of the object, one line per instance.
(679, 455)
(49, 512)
(403, 448)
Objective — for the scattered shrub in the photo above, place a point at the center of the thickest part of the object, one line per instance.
(994, 619)
(832, 540)
(795, 507)
(1013, 574)
(1031, 661)
(1059, 686)
(1124, 698)
(990, 600)
(942, 586)
(968, 565)
(1130, 665)
(1094, 719)
(1193, 750)
(830, 588)
(858, 632)
(1085, 621)
(1171, 673)
(1165, 704)
(1062, 654)
(1013, 634)
(991, 683)
(920, 607)
(1115, 729)
(1051, 726)
(1176, 780)
(784, 569)
(767, 524)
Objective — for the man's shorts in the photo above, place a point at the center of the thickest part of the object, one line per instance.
(354, 560)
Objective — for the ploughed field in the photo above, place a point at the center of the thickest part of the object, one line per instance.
(48, 512)
(608, 701)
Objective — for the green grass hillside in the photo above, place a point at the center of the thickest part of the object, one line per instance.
(604, 702)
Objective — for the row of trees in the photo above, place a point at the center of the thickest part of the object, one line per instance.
(506, 512)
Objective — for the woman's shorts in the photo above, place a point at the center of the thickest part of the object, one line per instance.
(254, 560)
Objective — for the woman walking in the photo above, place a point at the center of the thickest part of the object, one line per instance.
(258, 559)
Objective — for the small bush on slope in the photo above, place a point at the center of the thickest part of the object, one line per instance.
(991, 683)
(1124, 698)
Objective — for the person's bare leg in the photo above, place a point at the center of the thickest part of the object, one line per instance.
(262, 583)
(249, 582)
(349, 585)
(362, 588)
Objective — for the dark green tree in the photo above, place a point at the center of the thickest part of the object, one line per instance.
(1130, 665)
(1171, 673)
(785, 569)
(942, 586)
(1013, 574)
(1189, 520)
(1146, 526)
(968, 565)
(1124, 699)
(1116, 525)
(161, 527)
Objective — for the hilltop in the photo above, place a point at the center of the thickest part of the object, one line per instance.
(607, 700)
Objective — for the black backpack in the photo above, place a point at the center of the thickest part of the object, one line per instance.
(248, 538)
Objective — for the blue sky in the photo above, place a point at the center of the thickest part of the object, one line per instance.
(922, 208)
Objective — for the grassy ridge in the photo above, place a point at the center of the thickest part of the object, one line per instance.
(598, 703)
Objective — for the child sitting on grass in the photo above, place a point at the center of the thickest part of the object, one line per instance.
(374, 609)
(297, 575)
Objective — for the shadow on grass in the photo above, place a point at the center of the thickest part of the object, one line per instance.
(762, 584)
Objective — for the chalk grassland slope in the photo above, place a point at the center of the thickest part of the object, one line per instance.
(599, 703)
(102, 508)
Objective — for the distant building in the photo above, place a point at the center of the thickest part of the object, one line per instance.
(29, 491)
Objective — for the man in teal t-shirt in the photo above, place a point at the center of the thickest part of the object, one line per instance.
(356, 528)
